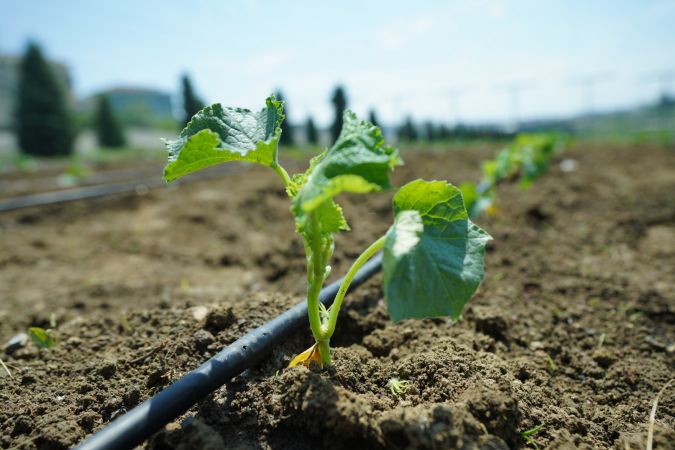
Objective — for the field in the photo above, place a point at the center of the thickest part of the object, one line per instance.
(572, 330)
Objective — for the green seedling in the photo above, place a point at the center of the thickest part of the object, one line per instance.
(75, 173)
(527, 435)
(432, 254)
(525, 160)
(44, 339)
(398, 387)
(551, 364)
(126, 325)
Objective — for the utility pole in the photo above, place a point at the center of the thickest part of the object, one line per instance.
(454, 96)
(588, 84)
(665, 79)
(514, 91)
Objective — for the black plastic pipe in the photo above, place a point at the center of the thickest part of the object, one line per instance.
(105, 190)
(137, 425)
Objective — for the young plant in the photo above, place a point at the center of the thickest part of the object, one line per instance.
(528, 435)
(525, 160)
(44, 339)
(433, 254)
(398, 387)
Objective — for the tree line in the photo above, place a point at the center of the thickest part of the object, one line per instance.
(46, 126)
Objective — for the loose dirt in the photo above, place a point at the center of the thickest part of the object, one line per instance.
(572, 329)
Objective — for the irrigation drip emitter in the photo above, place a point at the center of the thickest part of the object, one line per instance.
(137, 425)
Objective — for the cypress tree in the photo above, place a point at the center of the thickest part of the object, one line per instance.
(339, 100)
(407, 131)
(191, 103)
(108, 129)
(44, 124)
(312, 133)
(443, 132)
(286, 131)
(372, 118)
(430, 131)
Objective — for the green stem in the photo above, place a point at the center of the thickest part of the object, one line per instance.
(324, 350)
(315, 276)
(282, 173)
(344, 286)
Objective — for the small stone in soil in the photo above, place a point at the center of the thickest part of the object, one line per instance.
(199, 313)
(15, 343)
(156, 378)
(203, 339)
(219, 319)
(132, 397)
(108, 369)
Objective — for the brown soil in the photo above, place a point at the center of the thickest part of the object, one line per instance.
(572, 328)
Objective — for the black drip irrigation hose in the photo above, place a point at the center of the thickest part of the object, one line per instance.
(104, 190)
(69, 195)
(137, 425)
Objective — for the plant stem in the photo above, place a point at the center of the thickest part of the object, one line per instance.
(282, 173)
(315, 278)
(344, 286)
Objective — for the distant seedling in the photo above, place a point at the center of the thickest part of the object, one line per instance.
(525, 160)
(433, 254)
(44, 339)
(527, 435)
(398, 387)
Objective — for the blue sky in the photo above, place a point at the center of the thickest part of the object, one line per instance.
(431, 59)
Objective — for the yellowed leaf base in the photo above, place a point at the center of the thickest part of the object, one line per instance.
(492, 210)
(305, 358)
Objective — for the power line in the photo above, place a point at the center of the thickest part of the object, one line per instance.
(514, 90)
(664, 78)
(588, 84)
(454, 95)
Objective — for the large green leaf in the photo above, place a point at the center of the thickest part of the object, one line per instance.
(217, 134)
(433, 254)
(359, 161)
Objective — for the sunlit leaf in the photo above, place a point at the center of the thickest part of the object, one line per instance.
(218, 134)
(433, 254)
(359, 161)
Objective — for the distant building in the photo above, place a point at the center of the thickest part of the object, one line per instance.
(138, 106)
(9, 84)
